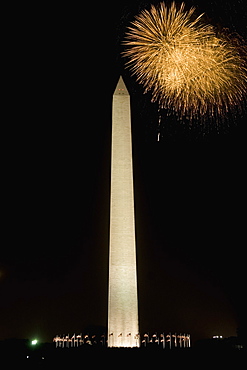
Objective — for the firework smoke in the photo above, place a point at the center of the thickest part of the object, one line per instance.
(188, 67)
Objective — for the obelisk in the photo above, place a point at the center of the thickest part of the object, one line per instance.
(123, 327)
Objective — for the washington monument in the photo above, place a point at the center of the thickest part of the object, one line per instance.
(123, 327)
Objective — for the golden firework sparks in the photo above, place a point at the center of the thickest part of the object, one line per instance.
(186, 65)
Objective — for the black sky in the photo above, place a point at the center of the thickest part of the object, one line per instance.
(190, 188)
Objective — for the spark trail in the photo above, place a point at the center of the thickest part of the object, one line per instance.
(188, 67)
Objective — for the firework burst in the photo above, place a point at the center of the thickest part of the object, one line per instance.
(188, 67)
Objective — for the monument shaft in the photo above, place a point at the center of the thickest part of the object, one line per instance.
(123, 327)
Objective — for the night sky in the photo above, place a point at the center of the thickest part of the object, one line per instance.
(190, 187)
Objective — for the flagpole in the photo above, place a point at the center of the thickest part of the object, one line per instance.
(188, 340)
(163, 340)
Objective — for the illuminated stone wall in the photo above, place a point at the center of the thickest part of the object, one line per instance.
(123, 328)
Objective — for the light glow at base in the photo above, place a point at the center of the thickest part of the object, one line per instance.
(162, 340)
